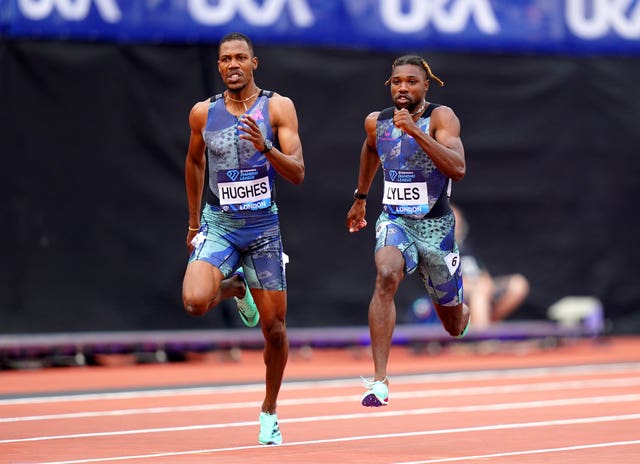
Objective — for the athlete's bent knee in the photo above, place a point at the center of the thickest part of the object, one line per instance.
(454, 320)
(276, 335)
(388, 278)
(455, 329)
(195, 306)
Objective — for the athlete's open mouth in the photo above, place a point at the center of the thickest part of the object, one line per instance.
(234, 76)
(402, 101)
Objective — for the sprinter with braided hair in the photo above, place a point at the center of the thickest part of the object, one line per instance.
(418, 145)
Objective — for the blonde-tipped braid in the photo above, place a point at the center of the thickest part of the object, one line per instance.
(430, 75)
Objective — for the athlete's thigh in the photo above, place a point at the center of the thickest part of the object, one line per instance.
(390, 232)
(201, 281)
(272, 305)
(213, 244)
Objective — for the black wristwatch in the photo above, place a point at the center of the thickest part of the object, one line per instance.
(359, 196)
(268, 145)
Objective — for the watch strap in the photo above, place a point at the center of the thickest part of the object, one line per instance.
(268, 146)
(359, 196)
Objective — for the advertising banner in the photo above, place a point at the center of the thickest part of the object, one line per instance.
(546, 26)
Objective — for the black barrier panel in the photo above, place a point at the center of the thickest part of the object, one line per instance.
(93, 214)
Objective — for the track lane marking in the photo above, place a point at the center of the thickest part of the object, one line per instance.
(302, 385)
(461, 391)
(551, 423)
(364, 415)
(528, 452)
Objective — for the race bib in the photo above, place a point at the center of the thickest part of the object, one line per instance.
(405, 192)
(244, 189)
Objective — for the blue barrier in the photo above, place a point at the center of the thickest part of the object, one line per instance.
(44, 347)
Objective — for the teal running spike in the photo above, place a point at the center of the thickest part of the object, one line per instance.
(269, 430)
(246, 306)
(466, 329)
(377, 393)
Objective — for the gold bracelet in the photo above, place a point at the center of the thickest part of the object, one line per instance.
(193, 229)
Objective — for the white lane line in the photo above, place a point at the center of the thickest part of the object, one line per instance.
(449, 392)
(588, 369)
(525, 452)
(551, 423)
(634, 398)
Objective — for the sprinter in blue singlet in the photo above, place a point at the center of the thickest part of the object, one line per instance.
(418, 145)
(242, 136)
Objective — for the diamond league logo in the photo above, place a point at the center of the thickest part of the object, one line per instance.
(233, 174)
(393, 174)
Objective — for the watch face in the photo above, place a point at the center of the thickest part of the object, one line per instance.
(267, 145)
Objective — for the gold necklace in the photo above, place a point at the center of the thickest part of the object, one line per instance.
(226, 95)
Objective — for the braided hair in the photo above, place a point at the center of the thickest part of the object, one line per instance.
(417, 61)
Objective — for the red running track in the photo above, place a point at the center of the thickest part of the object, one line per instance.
(577, 403)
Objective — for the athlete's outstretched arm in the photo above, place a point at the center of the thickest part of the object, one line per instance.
(369, 164)
(369, 159)
(194, 166)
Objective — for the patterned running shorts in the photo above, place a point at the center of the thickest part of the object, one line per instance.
(429, 246)
(250, 239)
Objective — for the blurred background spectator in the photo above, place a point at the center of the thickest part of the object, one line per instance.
(490, 298)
